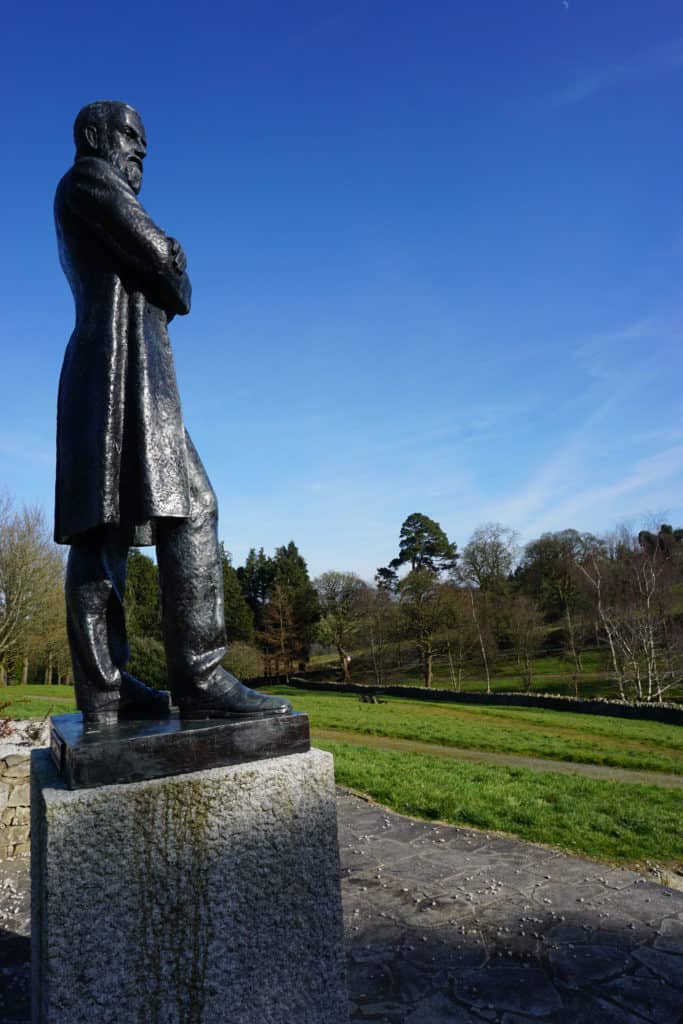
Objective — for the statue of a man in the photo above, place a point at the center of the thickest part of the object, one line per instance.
(127, 471)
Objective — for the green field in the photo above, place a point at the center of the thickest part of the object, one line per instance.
(531, 732)
(35, 701)
(622, 823)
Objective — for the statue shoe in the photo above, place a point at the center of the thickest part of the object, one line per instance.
(224, 696)
(133, 701)
(141, 701)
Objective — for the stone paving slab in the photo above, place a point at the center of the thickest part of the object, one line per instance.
(462, 927)
(452, 926)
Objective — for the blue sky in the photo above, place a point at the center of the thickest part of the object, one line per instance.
(436, 252)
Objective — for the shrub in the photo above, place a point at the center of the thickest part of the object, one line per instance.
(244, 660)
(148, 661)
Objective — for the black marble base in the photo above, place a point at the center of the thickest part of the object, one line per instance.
(133, 751)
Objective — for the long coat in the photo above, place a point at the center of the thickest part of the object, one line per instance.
(121, 452)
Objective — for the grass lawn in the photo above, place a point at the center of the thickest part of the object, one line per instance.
(625, 825)
(605, 820)
(535, 732)
(36, 701)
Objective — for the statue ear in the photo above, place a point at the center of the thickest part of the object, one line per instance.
(91, 136)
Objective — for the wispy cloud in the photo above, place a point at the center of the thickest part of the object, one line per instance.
(607, 355)
(610, 361)
(644, 474)
(482, 421)
(557, 474)
(665, 57)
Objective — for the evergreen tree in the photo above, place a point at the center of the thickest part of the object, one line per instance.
(422, 545)
(239, 618)
(291, 575)
(142, 601)
(256, 578)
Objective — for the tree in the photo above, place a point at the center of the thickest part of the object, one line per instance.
(381, 627)
(148, 661)
(487, 563)
(239, 618)
(421, 612)
(292, 579)
(667, 541)
(459, 631)
(283, 602)
(244, 660)
(340, 597)
(256, 577)
(525, 622)
(31, 582)
(422, 545)
(548, 572)
(47, 648)
(485, 635)
(489, 557)
(277, 635)
(635, 585)
(386, 579)
(142, 601)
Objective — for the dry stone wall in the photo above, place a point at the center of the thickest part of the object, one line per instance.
(14, 805)
(17, 741)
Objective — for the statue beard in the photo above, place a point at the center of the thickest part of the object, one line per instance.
(133, 174)
(130, 168)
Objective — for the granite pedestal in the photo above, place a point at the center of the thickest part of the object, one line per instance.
(209, 897)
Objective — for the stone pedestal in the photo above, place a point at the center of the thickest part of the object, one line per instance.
(205, 898)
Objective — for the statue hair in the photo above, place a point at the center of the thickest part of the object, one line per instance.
(94, 114)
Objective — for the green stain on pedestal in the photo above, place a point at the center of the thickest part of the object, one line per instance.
(170, 846)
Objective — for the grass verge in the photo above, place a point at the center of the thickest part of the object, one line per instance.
(624, 825)
(36, 701)
(531, 732)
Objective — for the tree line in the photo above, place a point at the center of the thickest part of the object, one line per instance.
(567, 590)
(465, 611)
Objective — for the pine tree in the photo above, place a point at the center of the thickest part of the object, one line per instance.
(239, 618)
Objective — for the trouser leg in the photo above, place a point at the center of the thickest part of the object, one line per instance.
(94, 588)
(191, 581)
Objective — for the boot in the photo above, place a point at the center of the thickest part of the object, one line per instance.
(224, 696)
(132, 702)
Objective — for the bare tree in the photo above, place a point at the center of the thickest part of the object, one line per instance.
(421, 612)
(278, 634)
(633, 582)
(548, 572)
(459, 634)
(31, 581)
(525, 624)
(340, 595)
(489, 556)
(380, 627)
(484, 635)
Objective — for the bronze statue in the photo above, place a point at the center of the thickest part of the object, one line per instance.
(127, 471)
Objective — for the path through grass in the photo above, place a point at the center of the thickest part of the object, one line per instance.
(531, 732)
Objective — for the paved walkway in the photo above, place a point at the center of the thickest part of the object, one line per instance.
(453, 926)
(538, 764)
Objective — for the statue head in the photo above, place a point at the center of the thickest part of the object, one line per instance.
(114, 132)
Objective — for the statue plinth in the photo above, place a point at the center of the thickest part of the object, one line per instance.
(138, 750)
(209, 897)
